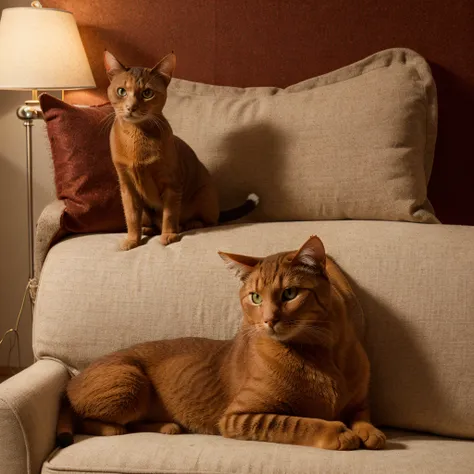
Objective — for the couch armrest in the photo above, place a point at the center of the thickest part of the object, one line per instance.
(48, 231)
(29, 404)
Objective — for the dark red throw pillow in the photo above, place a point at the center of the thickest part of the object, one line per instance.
(85, 176)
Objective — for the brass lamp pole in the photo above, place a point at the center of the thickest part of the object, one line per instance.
(28, 112)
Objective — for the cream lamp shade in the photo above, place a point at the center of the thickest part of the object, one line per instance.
(40, 48)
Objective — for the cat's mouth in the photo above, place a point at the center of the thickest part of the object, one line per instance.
(278, 331)
(287, 331)
(133, 117)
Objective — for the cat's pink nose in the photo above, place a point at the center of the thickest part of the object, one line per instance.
(271, 323)
(131, 108)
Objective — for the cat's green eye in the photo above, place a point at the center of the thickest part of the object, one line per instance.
(290, 294)
(256, 298)
(121, 92)
(148, 94)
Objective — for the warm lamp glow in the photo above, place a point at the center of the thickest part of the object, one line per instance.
(40, 48)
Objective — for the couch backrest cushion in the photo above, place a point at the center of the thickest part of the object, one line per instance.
(356, 143)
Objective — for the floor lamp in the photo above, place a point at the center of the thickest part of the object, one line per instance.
(40, 49)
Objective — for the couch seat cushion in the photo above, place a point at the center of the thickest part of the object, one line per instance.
(406, 453)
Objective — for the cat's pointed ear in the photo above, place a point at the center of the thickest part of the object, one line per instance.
(242, 265)
(311, 254)
(165, 68)
(112, 64)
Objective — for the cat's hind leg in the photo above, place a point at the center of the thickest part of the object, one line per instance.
(151, 222)
(202, 210)
(193, 225)
(114, 391)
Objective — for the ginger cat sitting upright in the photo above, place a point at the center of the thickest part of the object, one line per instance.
(162, 182)
(295, 372)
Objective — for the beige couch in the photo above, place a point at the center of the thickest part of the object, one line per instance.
(416, 286)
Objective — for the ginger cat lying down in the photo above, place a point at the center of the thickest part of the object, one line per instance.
(295, 372)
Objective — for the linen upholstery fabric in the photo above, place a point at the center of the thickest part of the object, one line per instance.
(415, 284)
(48, 231)
(355, 143)
(29, 404)
(85, 176)
(407, 453)
(255, 43)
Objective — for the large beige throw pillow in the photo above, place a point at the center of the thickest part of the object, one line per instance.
(355, 143)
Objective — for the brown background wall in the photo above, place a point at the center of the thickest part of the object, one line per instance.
(280, 42)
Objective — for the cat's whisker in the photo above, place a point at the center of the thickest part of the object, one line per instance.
(161, 125)
(249, 330)
(107, 122)
(158, 124)
(154, 122)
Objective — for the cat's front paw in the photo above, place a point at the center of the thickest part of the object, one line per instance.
(169, 238)
(369, 434)
(128, 244)
(338, 437)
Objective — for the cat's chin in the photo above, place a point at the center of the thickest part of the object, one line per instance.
(279, 337)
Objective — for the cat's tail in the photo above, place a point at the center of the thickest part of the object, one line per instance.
(65, 426)
(237, 212)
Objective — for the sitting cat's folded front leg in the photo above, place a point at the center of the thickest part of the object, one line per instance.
(133, 216)
(171, 215)
(133, 209)
(289, 430)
